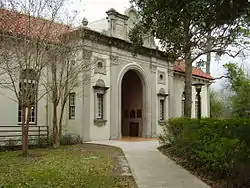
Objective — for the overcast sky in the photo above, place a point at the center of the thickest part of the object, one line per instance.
(95, 10)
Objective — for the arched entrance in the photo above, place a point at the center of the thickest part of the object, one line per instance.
(132, 105)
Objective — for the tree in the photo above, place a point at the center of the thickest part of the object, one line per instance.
(239, 84)
(185, 28)
(216, 105)
(68, 70)
(26, 41)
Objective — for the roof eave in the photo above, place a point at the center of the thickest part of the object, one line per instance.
(197, 76)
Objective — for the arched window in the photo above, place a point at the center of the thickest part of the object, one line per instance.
(196, 106)
(28, 94)
(182, 103)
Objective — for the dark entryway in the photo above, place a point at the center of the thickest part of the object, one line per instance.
(132, 104)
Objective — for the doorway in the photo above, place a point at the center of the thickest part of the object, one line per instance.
(132, 105)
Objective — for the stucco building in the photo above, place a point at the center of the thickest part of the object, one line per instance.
(128, 95)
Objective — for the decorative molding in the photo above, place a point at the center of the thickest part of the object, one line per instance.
(161, 77)
(100, 85)
(153, 68)
(100, 65)
(86, 54)
(99, 122)
(162, 93)
(162, 122)
(119, 43)
(114, 59)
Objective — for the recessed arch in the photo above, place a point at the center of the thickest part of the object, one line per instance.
(136, 68)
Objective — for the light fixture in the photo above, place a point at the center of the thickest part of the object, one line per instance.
(198, 86)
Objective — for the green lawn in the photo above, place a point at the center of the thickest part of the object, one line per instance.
(87, 165)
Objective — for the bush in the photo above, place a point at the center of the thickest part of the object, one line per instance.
(11, 142)
(44, 140)
(70, 139)
(172, 130)
(215, 145)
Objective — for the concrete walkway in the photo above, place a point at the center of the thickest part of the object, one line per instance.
(152, 169)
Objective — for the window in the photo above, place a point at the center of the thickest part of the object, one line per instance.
(99, 65)
(28, 95)
(196, 106)
(132, 113)
(99, 102)
(162, 109)
(100, 105)
(72, 106)
(139, 113)
(161, 77)
(182, 104)
(33, 113)
(162, 115)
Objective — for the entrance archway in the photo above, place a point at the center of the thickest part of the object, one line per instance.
(132, 105)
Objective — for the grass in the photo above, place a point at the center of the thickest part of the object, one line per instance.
(86, 165)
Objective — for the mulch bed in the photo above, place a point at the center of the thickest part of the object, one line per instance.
(240, 179)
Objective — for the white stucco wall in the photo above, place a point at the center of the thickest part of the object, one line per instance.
(162, 69)
(100, 132)
(178, 90)
(99, 25)
(117, 61)
(8, 107)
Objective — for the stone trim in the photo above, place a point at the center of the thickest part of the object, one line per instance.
(112, 11)
(114, 59)
(102, 69)
(161, 77)
(162, 122)
(153, 68)
(86, 33)
(162, 93)
(100, 88)
(100, 122)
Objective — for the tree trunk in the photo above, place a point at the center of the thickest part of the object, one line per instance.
(188, 87)
(61, 119)
(55, 128)
(208, 64)
(25, 131)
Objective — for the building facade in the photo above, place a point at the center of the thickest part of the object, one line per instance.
(128, 94)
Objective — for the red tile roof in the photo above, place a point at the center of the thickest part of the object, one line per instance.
(25, 25)
(180, 67)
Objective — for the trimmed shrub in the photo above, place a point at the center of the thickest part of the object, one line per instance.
(70, 139)
(172, 130)
(215, 145)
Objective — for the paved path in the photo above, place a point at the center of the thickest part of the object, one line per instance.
(151, 169)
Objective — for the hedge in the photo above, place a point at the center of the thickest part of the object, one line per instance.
(216, 145)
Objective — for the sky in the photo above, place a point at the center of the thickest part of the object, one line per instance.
(95, 9)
